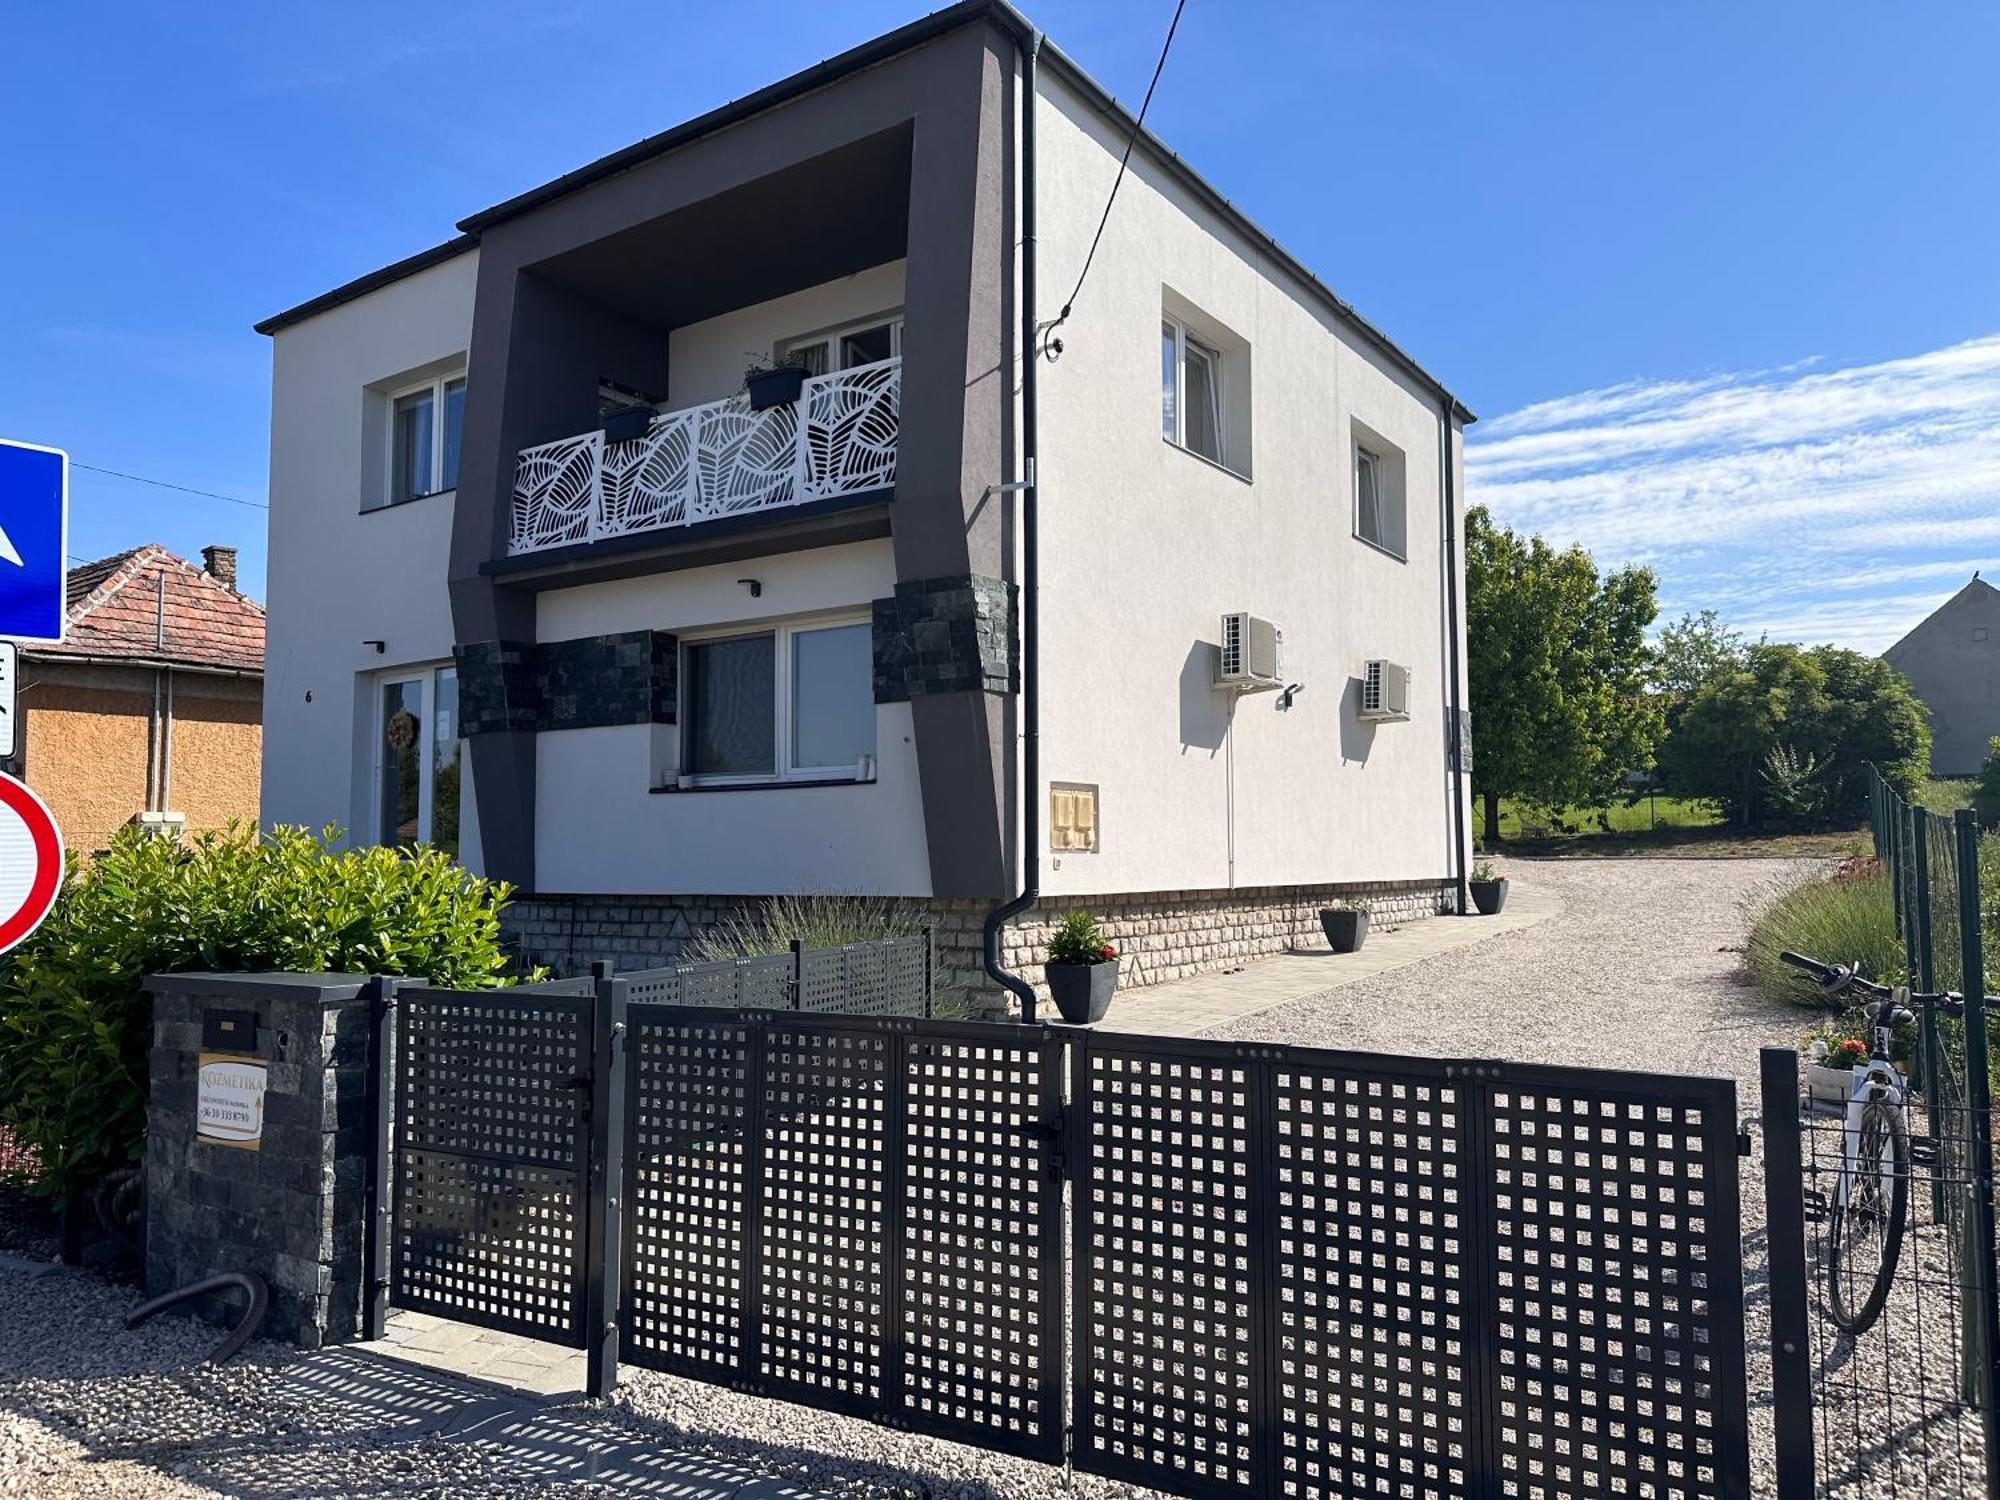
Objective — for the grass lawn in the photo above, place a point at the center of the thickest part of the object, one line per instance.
(1947, 794)
(1659, 825)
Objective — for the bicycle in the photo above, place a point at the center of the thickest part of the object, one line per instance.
(1871, 1202)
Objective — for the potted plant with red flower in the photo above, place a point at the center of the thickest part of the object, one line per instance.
(1830, 1065)
(1082, 969)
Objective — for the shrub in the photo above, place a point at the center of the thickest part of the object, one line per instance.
(1078, 940)
(1842, 919)
(1794, 784)
(1986, 791)
(813, 920)
(76, 1029)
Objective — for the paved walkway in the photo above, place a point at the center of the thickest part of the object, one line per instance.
(484, 1354)
(1188, 1007)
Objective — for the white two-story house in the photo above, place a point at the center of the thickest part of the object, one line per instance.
(648, 664)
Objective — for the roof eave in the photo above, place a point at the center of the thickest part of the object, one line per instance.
(423, 260)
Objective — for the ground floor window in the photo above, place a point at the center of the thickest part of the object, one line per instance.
(418, 752)
(794, 701)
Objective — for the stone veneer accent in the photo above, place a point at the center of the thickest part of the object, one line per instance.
(291, 1211)
(1160, 935)
(946, 635)
(632, 677)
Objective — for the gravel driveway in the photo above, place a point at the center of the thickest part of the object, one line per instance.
(1637, 970)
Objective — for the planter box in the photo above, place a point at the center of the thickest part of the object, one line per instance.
(1346, 929)
(1082, 992)
(777, 387)
(627, 424)
(1488, 896)
(1829, 1085)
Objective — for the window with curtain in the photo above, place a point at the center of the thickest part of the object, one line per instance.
(425, 427)
(796, 701)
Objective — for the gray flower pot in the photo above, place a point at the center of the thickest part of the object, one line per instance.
(1488, 895)
(779, 387)
(1082, 992)
(1346, 928)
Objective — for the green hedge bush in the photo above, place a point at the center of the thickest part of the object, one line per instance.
(76, 1029)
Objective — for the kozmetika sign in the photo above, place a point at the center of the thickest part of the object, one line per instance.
(229, 1100)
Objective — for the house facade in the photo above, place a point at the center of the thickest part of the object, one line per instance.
(150, 708)
(763, 650)
(1952, 660)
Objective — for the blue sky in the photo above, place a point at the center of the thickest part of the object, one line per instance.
(1717, 276)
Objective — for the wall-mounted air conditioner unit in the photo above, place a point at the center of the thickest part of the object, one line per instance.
(1248, 661)
(1385, 691)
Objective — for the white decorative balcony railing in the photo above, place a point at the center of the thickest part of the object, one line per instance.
(708, 462)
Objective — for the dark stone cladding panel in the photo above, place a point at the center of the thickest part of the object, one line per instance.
(628, 678)
(946, 635)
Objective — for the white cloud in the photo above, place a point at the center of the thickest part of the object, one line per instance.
(1760, 493)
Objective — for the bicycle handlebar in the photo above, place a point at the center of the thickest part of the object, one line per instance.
(1839, 979)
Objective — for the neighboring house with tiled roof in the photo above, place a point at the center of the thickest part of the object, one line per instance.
(152, 706)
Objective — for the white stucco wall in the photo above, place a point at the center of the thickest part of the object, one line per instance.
(600, 829)
(1145, 546)
(339, 575)
(706, 360)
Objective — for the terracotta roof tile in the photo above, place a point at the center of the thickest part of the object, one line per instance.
(147, 605)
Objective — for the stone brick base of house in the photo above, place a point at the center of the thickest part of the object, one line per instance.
(1160, 935)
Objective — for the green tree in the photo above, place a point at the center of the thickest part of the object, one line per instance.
(1694, 649)
(1833, 709)
(1560, 672)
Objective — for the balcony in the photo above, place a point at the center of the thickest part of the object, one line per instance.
(713, 462)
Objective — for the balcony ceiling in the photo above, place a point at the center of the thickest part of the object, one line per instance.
(831, 216)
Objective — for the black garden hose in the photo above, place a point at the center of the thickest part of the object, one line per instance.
(250, 1284)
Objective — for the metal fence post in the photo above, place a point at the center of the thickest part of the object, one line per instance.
(798, 974)
(380, 1227)
(1979, 1099)
(1785, 1253)
(1895, 823)
(930, 972)
(1924, 977)
(603, 1230)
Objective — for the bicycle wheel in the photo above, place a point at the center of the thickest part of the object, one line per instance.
(1865, 1232)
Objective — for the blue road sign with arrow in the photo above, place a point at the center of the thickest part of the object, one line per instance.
(34, 540)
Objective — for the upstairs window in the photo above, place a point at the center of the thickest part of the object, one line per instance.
(424, 428)
(1190, 392)
(844, 348)
(1380, 519)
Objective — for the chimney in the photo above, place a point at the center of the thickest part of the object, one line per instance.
(220, 564)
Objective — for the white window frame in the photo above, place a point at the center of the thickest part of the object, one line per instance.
(436, 386)
(1362, 452)
(831, 337)
(426, 749)
(784, 632)
(1182, 340)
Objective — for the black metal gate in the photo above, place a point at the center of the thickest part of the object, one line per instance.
(1331, 1274)
(489, 1153)
(862, 1214)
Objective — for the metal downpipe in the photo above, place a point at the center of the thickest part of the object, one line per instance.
(1031, 750)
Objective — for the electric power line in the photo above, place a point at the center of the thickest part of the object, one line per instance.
(1124, 161)
(162, 484)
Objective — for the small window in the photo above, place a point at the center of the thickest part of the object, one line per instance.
(1190, 392)
(795, 702)
(1378, 498)
(1072, 817)
(425, 425)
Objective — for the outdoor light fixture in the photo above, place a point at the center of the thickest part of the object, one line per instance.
(1292, 690)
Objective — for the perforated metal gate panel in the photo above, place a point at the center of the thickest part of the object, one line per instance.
(492, 1158)
(1334, 1275)
(862, 1214)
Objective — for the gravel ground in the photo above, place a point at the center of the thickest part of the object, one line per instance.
(1638, 970)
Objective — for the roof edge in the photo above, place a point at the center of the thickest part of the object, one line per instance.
(423, 260)
(1074, 74)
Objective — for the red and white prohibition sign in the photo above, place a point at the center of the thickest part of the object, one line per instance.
(31, 861)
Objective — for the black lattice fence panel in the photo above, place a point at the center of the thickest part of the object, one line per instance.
(1334, 1275)
(862, 1214)
(491, 1157)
